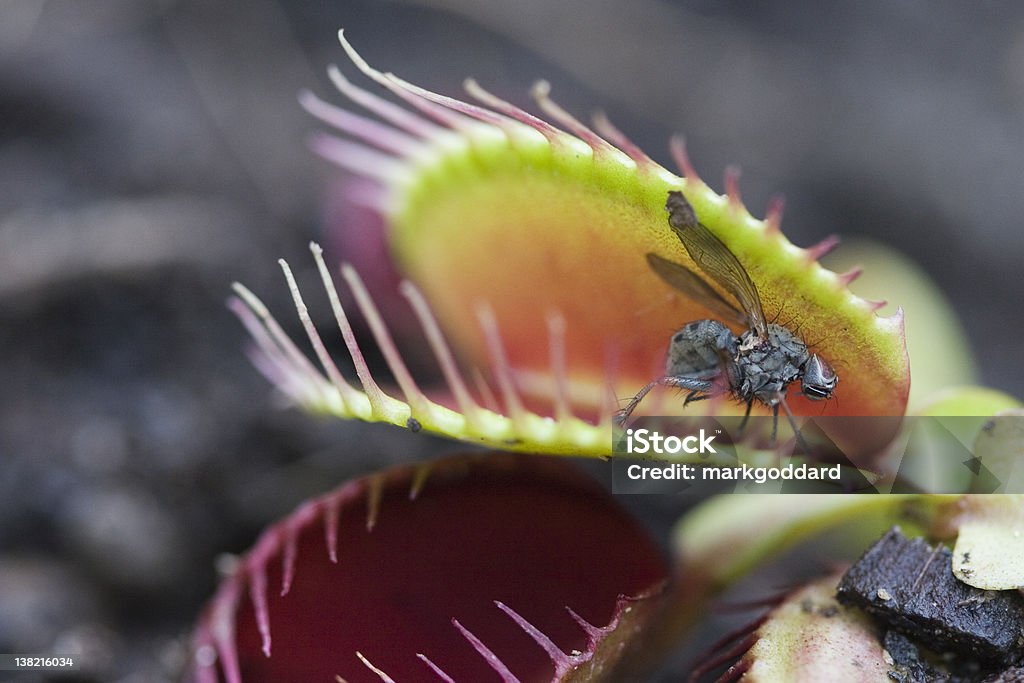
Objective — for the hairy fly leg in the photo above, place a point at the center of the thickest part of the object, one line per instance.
(692, 384)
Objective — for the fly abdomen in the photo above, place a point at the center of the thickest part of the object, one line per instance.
(698, 349)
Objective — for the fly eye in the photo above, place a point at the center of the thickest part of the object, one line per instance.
(816, 393)
(819, 380)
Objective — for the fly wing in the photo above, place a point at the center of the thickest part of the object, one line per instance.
(693, 286)
(715, 259)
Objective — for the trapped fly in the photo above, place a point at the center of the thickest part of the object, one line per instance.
(758, 365)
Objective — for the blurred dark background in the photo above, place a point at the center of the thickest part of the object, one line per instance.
(151, 152)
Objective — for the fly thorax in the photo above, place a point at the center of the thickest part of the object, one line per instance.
(769, 364)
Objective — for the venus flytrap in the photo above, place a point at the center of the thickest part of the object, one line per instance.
(524, 247)
(450, 570)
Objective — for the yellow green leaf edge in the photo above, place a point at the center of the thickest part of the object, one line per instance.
(325, 391)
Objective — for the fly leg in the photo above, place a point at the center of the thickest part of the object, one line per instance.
(746, 418)
(792, 423)
(694, 396)
(695, 386)
(775, 420)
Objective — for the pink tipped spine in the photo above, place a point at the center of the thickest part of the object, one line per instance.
(332, 514)
(556, 343)
(773, 214)
(442, 351)
(851, 275)
(435, 668)
(258, 595)
(562, 661)
(604, 126)
(541, 94)
(500, 364)
(389, 111)
(677, 146)
(368, 130)
(815, 252)
(492, 659)
(553, 135)
(732, 187)
(385, 342)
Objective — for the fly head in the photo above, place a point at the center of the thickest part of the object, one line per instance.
(819, 380)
